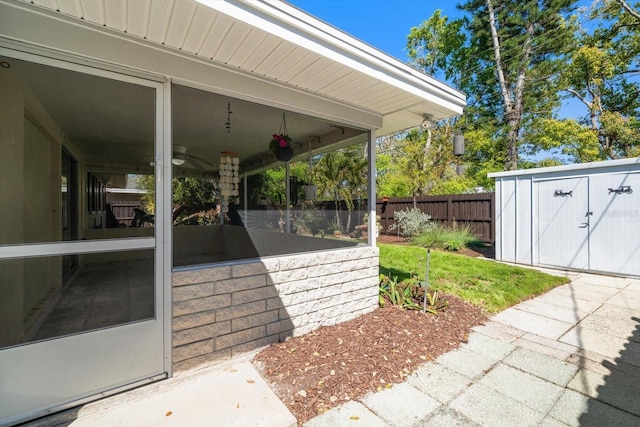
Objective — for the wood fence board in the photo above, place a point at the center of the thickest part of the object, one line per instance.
(476, 210)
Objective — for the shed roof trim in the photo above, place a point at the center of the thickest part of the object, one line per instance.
(568, 168)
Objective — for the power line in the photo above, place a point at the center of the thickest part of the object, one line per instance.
(473, 70)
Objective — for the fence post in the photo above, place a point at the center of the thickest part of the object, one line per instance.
(450, 211)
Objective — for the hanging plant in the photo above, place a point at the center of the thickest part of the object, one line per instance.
(280, 143)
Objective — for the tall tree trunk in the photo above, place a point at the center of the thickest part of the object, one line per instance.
(512, 98)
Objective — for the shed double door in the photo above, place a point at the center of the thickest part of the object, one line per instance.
(590, 223)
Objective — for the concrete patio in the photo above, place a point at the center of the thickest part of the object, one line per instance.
(568, 357)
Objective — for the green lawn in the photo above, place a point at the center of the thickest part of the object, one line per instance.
(490, 285)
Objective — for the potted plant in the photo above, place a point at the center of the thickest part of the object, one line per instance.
(280, 143)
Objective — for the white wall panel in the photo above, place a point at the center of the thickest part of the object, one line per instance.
(615, 223)
(523, 221)
(509, 219)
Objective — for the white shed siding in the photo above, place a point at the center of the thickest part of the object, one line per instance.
(593, 228)
(523, 217)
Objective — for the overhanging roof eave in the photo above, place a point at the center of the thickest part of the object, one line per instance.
(285, 21)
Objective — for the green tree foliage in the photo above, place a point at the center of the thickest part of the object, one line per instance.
(193, 199)
(516, 62)
(421, 163)
(506, 57)
(341, 176)
(598, 76)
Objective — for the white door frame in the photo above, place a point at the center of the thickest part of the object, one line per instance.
(154, 333)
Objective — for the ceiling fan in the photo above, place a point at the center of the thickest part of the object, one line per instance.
(181, 158)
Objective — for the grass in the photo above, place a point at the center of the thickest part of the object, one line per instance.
(490, 285)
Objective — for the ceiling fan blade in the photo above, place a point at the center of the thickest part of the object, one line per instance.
(200, 164)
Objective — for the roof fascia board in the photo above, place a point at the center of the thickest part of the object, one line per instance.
(294, 26)
(632, 163)
(351, 44)
(31, 28)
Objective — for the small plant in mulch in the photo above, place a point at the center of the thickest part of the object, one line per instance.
(409, 295)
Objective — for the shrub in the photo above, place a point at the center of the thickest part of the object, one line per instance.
(411, 222)
(448, 238)
(453, 245)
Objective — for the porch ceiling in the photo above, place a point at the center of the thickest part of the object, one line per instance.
(277, 42)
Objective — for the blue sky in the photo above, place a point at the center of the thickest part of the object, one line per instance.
(385, 24)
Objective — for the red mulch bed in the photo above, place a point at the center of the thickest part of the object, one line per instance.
(325, 368)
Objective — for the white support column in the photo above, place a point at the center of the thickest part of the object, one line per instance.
(246, 201)
(287, 189)
(164, 221)
(371, 172)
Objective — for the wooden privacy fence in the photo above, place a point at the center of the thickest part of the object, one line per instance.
(123, 210)
(475, 210)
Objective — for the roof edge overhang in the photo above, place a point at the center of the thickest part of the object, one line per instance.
(27, 27)
(69, 35)
(288, 22)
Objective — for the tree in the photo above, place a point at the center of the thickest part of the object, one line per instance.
(506, 58)
(342, 176)
(528, 43)
(598, 76)
(193, 199)
(420, 164)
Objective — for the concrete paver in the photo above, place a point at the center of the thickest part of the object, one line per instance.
(543, 366)
(527, 389)
(492, 348)
(532, 323)
(488, 407)
(626, 298)
(589, 293)
(439, 382)
(554, 311)
(551, 422)
(402, 405)
(466, 362)
(607, 324)
(563, 298)
(597, 342)
(350, 414)
(547, 346)
(499, 331)
(575, 409)
(447, 417)
(618, 391)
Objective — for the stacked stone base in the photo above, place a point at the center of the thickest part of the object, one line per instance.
(221, 312)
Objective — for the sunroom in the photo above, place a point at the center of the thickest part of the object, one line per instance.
(175, 104)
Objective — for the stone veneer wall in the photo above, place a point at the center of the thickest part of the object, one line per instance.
(220, 312)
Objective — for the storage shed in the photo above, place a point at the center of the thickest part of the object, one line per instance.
(581, 217)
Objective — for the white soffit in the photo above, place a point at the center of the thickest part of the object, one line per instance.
(276, 41)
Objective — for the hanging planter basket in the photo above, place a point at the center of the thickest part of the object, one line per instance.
(280, 143)
(284, 154)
